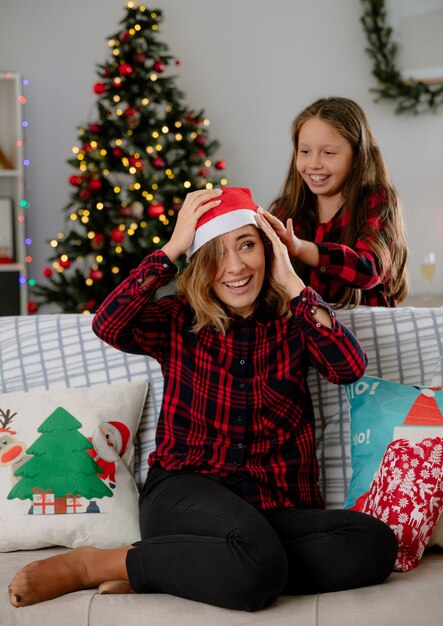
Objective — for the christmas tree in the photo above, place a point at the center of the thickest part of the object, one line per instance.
(135, 163)
(60, 462)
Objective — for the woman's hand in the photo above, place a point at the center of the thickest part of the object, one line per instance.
(286, 234)
(282, 270)
(196, 204)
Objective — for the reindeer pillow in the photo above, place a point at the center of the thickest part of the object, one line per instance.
(66, 466)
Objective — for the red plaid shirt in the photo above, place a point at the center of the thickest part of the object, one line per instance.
(234, 405)
(341, 266)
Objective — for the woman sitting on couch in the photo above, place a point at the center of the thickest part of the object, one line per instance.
(231, 513)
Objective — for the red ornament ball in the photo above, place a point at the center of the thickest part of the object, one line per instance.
(95, 184)
(90, 304)
(124, 36)
(139, 58)
(200, 140)
(117, 152)
(155, 210)
(220, 165)
(159, 67)
(75, 180)
(95, 128)
(99, 88)
(84, 194)
(117, 235)
(47, 271)
(32, 307)
(129, 112)
(98, 240)
(137, 163)
(158, 162)
(65, 263)
(124, 69)
(96, 275)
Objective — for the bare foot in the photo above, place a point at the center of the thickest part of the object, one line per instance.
(80, 568)
(115, 586)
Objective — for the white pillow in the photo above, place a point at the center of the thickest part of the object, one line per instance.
(66, 466)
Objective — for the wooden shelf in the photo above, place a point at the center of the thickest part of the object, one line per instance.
(13, 280)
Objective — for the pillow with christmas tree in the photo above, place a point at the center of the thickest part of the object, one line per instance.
(66, 466)
(382, 412)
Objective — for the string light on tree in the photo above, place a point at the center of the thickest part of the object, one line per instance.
(133, 164)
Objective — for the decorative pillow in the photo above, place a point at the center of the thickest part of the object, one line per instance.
(381, 412)
(66, 462)
(407, 494)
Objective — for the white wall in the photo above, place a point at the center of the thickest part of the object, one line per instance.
(252, 65)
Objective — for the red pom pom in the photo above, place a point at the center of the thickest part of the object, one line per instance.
(124, 36)
(86, 147)
(117, 235)
(75, 180)
(200, 140)
(159, 67)
(220, 165)
(47, 271)
(130, 112)
(96, 275)
(84, 194)
(90, 304)
(32, 307)
(99, 88)
(155, 210)
(117, 152)
(137, 163)
(124, 69)
(95, 128)
(95, 184)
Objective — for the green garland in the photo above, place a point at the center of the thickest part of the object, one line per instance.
(412, 96)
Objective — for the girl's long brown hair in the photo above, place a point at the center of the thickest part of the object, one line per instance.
(196, 280)
(368, 176)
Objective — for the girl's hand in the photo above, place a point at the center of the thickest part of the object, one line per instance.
(196, 204)
(286, 234)
(282, 270)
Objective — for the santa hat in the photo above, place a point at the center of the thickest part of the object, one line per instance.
(121, 434)
(237, 209)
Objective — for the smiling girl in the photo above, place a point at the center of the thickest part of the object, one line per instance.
(338, 212)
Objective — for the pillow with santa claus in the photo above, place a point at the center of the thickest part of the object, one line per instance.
(397, 461)
(66, 466)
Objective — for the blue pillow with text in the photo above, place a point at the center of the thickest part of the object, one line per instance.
(381, 412)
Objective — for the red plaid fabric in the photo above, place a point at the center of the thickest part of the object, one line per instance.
(341, 266)
(235, 406)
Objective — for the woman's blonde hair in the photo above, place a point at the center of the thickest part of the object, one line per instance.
(196, 280)
(369, 176)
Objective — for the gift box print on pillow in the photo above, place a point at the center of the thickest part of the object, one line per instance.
(66, 466)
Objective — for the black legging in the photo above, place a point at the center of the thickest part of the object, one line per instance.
(202, 541)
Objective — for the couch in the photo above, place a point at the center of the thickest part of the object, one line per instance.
(51, 351)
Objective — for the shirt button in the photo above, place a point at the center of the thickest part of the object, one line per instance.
(239, 445)
(242, 385)
(139, 280)
(165, 265)
(318, 324)
(323, 269)
(239, 418)
(303, 299)
(242, 361)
